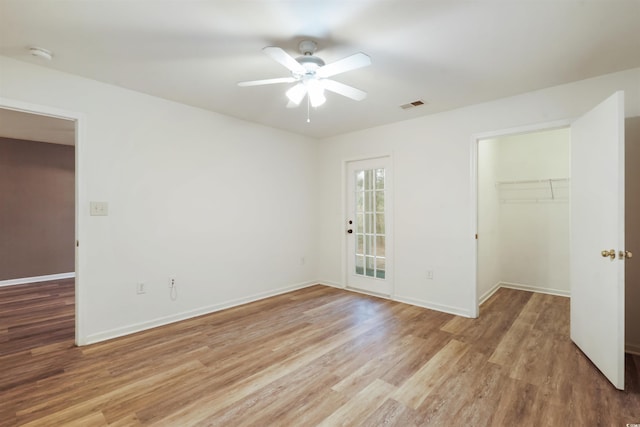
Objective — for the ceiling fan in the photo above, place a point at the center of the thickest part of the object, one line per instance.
(312, 74)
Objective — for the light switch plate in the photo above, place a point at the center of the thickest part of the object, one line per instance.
(99, 208)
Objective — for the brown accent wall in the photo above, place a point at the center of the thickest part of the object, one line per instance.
(632, 231)
(37, 213)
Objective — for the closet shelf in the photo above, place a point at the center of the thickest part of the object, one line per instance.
(534, 181)
(533, 190)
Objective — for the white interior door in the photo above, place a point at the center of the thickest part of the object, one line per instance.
(369, 225)
(597, 224)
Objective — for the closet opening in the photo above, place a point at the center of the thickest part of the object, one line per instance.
(523, 212)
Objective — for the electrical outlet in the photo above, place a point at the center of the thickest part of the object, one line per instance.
(172, 282)
(302, 260)
(141, 288)
(430, 274)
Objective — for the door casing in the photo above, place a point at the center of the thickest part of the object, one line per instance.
(539, 127)
(79, 119)
(345, 214)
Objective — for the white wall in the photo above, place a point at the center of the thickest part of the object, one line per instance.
(225, 206)
(434, 220)
(530, 244)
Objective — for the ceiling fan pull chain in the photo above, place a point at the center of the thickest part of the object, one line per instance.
(308, 109)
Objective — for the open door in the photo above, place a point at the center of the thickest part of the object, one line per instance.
(597, 236)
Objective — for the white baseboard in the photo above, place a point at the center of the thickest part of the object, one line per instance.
(489, 293)
(365, 292)
(131, 329)
(126, 330)
(521, 287)
(36, 279)
(406, 300)
(351, 289)
(632, 349)
(331, 284)
(434, 306)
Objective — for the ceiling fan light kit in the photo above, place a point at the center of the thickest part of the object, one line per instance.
(296, 94)
(311, 75)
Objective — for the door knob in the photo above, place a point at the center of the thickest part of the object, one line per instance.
(625, 254)
(610, 253)
(349, 231)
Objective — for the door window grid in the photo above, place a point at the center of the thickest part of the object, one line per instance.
(369, 223)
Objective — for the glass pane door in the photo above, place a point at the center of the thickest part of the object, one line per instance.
(369, 223)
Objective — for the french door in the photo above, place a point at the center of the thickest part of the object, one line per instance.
(369, 226)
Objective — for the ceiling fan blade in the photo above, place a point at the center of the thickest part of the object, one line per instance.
(357, 60)
(282, 57)
(344, 90)
(267, 81)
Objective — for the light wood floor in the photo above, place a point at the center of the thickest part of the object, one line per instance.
(318, 356)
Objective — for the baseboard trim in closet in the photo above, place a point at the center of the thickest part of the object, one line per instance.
(36, 279)
(489, 293)
(632, 349)
(521, 287)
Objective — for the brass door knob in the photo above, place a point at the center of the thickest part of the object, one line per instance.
(625, 254)
(610, 253)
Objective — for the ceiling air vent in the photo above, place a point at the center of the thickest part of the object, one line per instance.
(412, 104)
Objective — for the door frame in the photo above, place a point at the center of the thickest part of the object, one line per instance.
(79, 120)
(475, 138)
(343, 225)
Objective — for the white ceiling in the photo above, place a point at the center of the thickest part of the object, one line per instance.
(448, 53)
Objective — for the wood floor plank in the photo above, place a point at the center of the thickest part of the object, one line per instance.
(360, 406)
(510, 346)
(94, 419)
(478, 394)
(117, 396)
(315, 356)
(375, 367)
(470, 399)
(410, 361)
(391, 413)
(433, 373)
(278, 401)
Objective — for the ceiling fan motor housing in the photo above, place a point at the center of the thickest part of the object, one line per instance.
(310, 63)
(308, 60)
